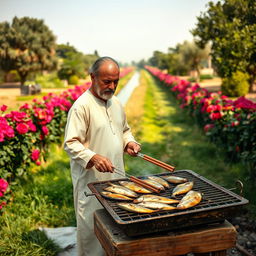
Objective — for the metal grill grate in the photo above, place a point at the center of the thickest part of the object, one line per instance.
(215, 197)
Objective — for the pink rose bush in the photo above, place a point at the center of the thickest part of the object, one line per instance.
(229, 123)
(3, 189)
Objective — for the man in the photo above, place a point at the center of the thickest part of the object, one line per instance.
(96, 136)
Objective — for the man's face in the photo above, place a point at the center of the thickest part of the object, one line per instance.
(104, 83)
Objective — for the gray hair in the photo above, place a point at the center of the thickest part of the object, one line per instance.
(97, 64)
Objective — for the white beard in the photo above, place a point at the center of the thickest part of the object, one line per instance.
(103, 95)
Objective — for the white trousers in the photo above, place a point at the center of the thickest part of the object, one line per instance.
(87, 242)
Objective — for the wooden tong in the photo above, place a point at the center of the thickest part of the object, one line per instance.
(156, 162)
(138, 181)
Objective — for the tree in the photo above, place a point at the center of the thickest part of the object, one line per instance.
(193, 56)
(230, 26)
(181, 59)
(89, 59)
(73, 65)
(63, 50)
(160, 60)
(26, 45)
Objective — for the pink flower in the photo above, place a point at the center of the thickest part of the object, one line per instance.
(207, 127)
(2, 204)
(22, 128)
(1, 137)
(45, 130)
(31, 126)
(9, 132)
(17, 116)
(242, 102)
(235, 123)
(5, 129)
(216, 116)
(210, 109)
(3, 108)
(3, 185)
(38, 162)
(35, 154)
(25, 106)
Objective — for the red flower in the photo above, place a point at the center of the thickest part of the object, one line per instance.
(235, 123)
(215, 116)
(25, 106)
(1, 137)
(45, 130)
(31, 126)
(22, 128)
(3, 108)
(207, 127)
(38, 162)
(17, 116)
(242, 102)
(35, 154)
(3, 185)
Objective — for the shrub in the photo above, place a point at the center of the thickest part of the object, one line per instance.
(236, 85)
(73, 80)
(206, 76)
(49, 81)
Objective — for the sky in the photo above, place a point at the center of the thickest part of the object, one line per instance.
(128, 30)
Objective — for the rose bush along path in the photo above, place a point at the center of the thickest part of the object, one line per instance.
(169, 134)
(229, 123)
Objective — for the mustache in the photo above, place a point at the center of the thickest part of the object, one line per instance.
(109, 91)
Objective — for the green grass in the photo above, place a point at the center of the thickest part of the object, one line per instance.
(43, 199)
(30, 97)
(168, 133)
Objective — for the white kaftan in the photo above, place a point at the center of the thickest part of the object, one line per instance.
(93, 127)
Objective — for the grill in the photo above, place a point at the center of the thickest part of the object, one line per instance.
(217, 205)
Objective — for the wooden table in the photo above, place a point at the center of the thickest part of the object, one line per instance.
(214, 239)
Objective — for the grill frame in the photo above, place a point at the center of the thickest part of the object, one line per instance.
(208, 211)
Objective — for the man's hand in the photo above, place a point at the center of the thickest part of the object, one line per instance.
(101, 163)
(132, 148)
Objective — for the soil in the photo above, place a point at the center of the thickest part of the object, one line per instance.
(246, 235)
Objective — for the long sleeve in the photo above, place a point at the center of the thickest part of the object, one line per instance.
(75, 137)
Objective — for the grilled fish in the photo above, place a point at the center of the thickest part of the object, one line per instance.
(191, 199)
(155, 184)
(154, 198)
(115, 196)
(121, 190)
(134, 187)
(182, 188)
(160, 181)
(135, 208)
(157, 206)
(175, 179)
